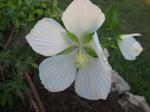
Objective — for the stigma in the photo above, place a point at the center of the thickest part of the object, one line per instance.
(80, 60)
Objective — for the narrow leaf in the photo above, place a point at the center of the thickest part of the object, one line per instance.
(111, 21)
(87, 38)
(67, 50)
(90, 52)
(72, 37)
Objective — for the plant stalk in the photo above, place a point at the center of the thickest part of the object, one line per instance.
(35, 93)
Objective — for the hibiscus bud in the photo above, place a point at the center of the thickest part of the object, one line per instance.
(129, 47)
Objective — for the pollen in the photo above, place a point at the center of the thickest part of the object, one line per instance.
(80, 60)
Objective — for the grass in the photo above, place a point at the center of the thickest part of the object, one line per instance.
(134, 16)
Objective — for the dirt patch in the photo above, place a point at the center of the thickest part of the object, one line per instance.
(68, 101)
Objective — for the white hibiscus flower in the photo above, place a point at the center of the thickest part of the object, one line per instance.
(129, 47)
(76, 54)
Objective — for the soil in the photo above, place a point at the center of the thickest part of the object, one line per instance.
(68, 101)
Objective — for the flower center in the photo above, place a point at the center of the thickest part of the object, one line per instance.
(80, 60)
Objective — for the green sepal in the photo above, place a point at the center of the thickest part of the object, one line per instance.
(66, 51)
(91, 52)
(72, 37)
(87, 38)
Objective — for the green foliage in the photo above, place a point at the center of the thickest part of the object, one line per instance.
(24, 13)
(90, 52)
(111, 21)
(72, 37)
(87, 38)
(109, 30)
(13, 64)
(11, 89)
(17, 17)
(67, 50)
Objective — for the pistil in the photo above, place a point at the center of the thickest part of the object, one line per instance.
(81, 59)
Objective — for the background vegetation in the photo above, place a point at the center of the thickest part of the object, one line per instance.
(17, 17)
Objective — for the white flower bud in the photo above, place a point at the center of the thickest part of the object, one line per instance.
(129, 47)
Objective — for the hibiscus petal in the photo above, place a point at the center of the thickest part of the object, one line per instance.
(106, 52)
(46, 37)
(95, 44)
(129, 47)
(130, 35)
(58, 72)
(82, 16)
(94, 81)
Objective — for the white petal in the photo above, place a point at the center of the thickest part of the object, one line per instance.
(129, 47)
(130, 35)
(95, 44)
(57, 72)
(106, 53)
(94, 81)
(46, 37)
(82, 16)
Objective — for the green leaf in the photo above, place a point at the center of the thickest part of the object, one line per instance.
(29, 2)
(87, 38)
(72, 37)
(3, 23)
(90, 52)
(111, 21)
(39, 11)
(119, 38)
(67, 50)
(15, 20)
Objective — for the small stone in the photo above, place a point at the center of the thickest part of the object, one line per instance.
(119, 85)
(139, 101)
(134, 103)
